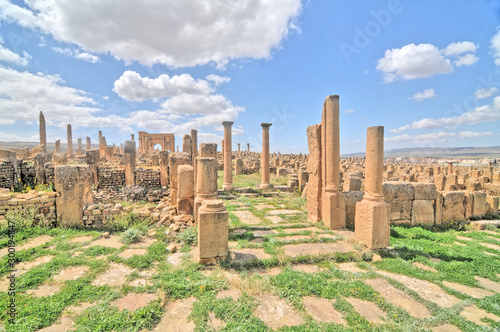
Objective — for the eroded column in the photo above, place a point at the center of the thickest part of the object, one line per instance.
(213, 232)
(228, 164)
(129, 159)
(43, 133)
(69, 140)
(371, 220)
(333, 204)
(265, 156)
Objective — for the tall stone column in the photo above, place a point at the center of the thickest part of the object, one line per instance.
(43, 133)
(101, 145)
(164, 168)
(371, 221)
(248, 147)
(228, 163)
(194, 151)
(187, 144)
(58, 146)
(79, 146)
(176, 160)
(88, 145)
(132, 137)
(239, 145)
(92, 159)
(333, 204)
(206, 182)
(129, 158)
(70, 140)
(265, 156)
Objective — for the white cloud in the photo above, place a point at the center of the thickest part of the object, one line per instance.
(426, 94)
(460, 48)
(425, 60)
(77, 54)
(218, 79)
(466, 60)
(131, 86)
(495, 47)
(349, 111)
(175, 33)
(471, 134)
(413, 61)
(7, 55)
(485, 93)
(481, 114)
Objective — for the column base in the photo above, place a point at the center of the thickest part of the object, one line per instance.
(333, 209)
(371, 225)
(264, 186)
(227, 187)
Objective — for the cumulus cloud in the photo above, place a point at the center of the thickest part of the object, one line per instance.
(485, 93)
(174, 33)
(133, 87)
(349, 111)
(481, 114)
(7, 55)
(426, 94)
(495, 47)
(425, 60)
(218, 80)
(77, 54)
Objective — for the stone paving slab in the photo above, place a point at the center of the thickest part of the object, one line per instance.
(399, 298)
(427, 290)
(276, 312)
(248, 254)
(368, 310)
(81, 239)
(322, 310)
(115, 275)
(298, 230)
(71, 273)
(474, 314)
(247, 217)
(235, 294)
(489, 284)
(446, 328)
(176, 317)
(111, 242)
(133, 301)
(295, 250)
(424, 267)
(285, 212)
(127, 253)
(351, 267)
(475, 292)
(275, 219)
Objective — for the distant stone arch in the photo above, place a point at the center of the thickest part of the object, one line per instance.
(148, 141)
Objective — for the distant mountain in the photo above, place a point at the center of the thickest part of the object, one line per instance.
(423, 152)
(31, 145)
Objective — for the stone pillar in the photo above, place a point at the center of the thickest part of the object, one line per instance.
(333, 204)
(371, 220)
(59, 159)
(79, 146)
(58, 146)
(121, 148)
(186, 144)
(209, 150)
(228, 163)
(92, 158)
(248, 147)
(176, 160)
(102, 145)
(213, 232)
(75, 191)
(185, 193)
(239, 147)
(88, 145)
(164, 168)
(43, 133)
(206, 182)
(264, 156)
(132, 137)
(70, 140)
(129, 159)
(108, 153)
(194, 150)
(238, 166)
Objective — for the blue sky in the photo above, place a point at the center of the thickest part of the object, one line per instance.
(428, 71)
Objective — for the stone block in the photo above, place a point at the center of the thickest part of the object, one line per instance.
(372, 224)
(453, 206)
(398, 191)
(351, 198)
(479, 205)
(352, 183)
(314, 185)
(400, 211)
(213, 231)
(492, 204)
(425, 191)
(422, 212)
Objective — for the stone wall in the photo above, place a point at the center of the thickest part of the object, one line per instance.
(40, 205)
(7, 174)
(110, 177)
(148, 178)
(28, 174)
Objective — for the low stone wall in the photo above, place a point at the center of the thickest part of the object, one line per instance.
(110, 177)
(98, 215)
(7, 174)
(148, 178)
(40, 205)
(28, 174)
(420, 203)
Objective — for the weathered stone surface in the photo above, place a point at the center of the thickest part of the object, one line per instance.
(276, 313)
(133, 301)
(453, 206)
(295, 250)
(314, 184)
(399, 211)
(351, 198)
(372, 224)
(322, 310)
(399, 298)
(115, 275)
(247, 217)
(471, 291)
(71, 273)
(474, 314)
(489, 284)
(212, 231)
(398, 191)
(446, 328)
(176, 317)
(422, 212)
(425, 191)
(368, 310)
(248, 254)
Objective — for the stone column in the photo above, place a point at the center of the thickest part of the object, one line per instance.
(228, 163)
(209, 150)
(371, 220)
(79, 146)
(176, 160)
(70, 140)
(333, 205)
(129, 159)
(213, 232)
(58, 146)
(88, 146)
(164, 168)
(194, 146)
(264, 156)
(206, 182)
(92, 159)
(185, 193)
(75, 191)
(248, 147)
(238, 166)
(186, 144)
(239, 147)
(101, 145)
(132, 137)
(121, 148)
(43, 133)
